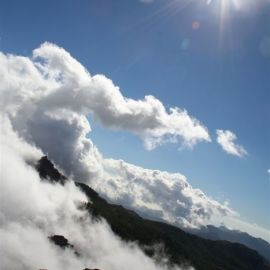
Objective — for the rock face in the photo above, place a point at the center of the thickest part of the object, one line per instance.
(179, 245)
(60, 241)
(47, 171)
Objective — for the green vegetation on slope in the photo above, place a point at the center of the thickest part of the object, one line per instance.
(180, 246)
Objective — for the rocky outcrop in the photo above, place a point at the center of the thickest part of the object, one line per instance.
(47, 171)
(62, 242)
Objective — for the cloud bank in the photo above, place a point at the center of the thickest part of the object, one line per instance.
(97, 95)
(31, 210)
(47, 99)
(158, 195)
(226, 138)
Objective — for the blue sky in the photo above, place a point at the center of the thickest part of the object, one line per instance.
(218, 72)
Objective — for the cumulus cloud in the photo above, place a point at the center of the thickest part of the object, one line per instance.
(158, 195)
(48, 98)
(80, 92)
(226, 139)
(31, 210)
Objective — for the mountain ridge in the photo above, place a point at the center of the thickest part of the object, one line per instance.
(235, 236)
(181, 247)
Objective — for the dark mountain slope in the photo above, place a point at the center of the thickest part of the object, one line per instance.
(179, 245)
(223, 233)
(47, 171)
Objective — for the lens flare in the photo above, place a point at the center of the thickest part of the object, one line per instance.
(225, 9)
(195, 25)
(235, 4)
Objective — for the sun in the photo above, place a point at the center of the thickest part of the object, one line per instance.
(226, 7)
(235, 4)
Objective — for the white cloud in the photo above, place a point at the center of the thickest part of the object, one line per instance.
(82, 93)
(226, 138)
(156, 194)
(47, 99)
(31, 210)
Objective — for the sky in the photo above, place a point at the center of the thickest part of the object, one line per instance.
(212, 61)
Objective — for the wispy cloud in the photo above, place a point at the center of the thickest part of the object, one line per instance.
(226, 139)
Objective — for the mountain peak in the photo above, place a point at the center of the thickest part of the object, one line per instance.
(47, 170)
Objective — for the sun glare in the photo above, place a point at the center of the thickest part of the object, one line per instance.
(225, 7)
(233, 4)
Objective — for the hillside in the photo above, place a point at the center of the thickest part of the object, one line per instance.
(179, 245)
(223, 233)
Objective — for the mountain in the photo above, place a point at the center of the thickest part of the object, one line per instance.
(47, 171)
(235, 236)
(61, 241)
(181, 247)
